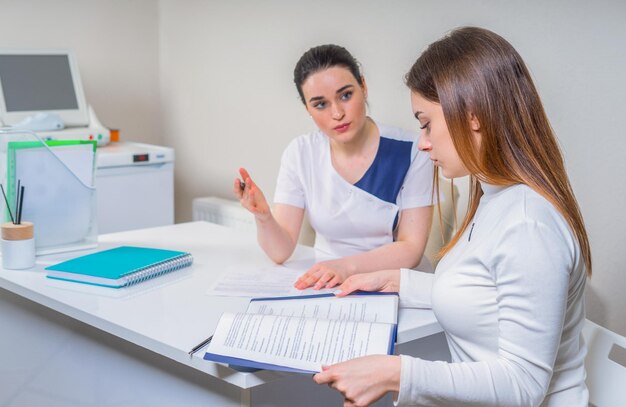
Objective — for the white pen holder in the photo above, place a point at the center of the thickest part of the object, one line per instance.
(18, 245)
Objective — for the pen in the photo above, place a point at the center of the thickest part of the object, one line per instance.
(200, 345)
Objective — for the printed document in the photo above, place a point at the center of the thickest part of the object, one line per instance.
(303, 333)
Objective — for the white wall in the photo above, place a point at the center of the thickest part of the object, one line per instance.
(116, 45)
(214, 80)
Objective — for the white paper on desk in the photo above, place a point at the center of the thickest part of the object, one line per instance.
(254, 281)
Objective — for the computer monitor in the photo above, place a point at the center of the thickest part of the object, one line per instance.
(34, 81)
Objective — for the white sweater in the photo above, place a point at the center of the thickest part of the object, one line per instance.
(509, 297)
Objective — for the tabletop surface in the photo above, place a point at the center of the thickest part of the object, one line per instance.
(172, 313)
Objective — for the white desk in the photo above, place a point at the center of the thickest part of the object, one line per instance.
(46, 356)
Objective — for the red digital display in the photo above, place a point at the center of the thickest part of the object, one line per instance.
(139, 158)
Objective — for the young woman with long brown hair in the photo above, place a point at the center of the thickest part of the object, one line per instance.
(508, 290)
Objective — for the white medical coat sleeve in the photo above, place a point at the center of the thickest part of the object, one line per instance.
(417, 188)
(289, 188)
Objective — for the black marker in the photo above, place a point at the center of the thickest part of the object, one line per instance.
(7, 203)
(17, 202)
(18, 210)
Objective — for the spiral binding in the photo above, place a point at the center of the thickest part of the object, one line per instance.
(159, 269)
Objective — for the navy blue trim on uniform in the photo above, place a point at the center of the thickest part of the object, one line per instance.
(385, 176)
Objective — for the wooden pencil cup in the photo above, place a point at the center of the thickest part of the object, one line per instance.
(18, 245)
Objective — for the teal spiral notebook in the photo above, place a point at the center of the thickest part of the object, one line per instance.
(120, 266)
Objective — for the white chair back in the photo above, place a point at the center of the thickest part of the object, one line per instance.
(605, 364)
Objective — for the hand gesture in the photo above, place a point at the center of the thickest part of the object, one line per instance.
(250, 196)
(383, 280)
(363, 380)
(325, 274)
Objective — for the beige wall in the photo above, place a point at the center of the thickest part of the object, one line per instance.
(228, 99)
(116, 44)
(220, 73)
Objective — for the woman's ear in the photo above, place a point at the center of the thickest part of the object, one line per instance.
(474, 123)
(364, 86)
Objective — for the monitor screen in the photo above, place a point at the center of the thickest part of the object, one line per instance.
(37, 82)
(46, 81)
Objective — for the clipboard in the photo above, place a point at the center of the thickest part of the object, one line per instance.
(60, 196)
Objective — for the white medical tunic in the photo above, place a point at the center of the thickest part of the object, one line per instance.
(510, 298)
(350, 219)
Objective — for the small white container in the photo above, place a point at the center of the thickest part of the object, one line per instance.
(18, 246)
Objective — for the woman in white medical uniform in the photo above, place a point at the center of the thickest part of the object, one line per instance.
(509, 290)
(365, 187)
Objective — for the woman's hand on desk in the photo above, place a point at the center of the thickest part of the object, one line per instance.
(363, 380)
(250, 196)
(383, 280)
(325, 274)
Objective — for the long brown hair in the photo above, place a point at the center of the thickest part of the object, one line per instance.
(475, 71)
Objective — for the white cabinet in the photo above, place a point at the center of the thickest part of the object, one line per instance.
(134, 186)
